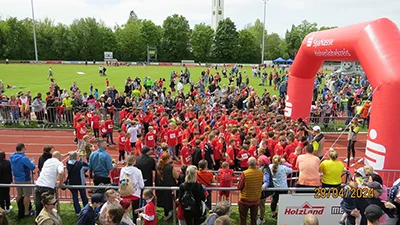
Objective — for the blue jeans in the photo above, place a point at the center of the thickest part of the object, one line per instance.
(75, 199)
(171, 151)
(350, 115)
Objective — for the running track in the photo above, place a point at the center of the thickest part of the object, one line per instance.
(62, 140)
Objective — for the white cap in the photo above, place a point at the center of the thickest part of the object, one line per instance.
(316, 128)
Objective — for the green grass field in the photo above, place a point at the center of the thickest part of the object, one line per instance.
(69, 218)
(34, 77)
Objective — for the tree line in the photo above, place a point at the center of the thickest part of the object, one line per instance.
(88, 39)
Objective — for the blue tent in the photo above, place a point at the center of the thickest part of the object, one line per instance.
(289, 61)
(279, 60)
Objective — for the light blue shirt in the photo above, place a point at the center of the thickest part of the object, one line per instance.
(280, 177)
(100, 163)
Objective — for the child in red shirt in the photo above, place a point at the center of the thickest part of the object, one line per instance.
(150, 138)
(115, 172)
(230, 154)
(253, 148)
(292, 158)
(149, 214)
(95, 123)
(278, 150)
(110, 129)
(128, 147)
(138, 145)
(103, 129)
(186, 157)
(243, 156)
(121, 146)
(172, 140)
(225, 180)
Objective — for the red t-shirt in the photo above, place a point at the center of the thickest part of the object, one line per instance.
(96, 121)
(271, 145)
(172, 137)
(253, 150)
(278, 150)
(80, 131)
(114, 174)
(230, 156)
(180, 134)
(138, 147)
(121, 142)
(292, 160)
(217, 146)
(150, 140)
(103, 129)
(150, 210)
(186, 157)
(127, 146)
(225, 179)
(245, 156)
(289, 149)
(109, 125)
(76, 117)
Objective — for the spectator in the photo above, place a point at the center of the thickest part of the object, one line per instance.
(112, 199)
(318, 142)
(115, 213)
(394, 196)
(133, 130)
(149, 214)
(100, 163)
(221, 209)
(362, 203)
(263, 162)
(88, 214)
(205, 178)
(331, 170)
(21, 167)
(279, 176)
(310, 219)
(373, 214)
(127, 207)
(308, 165)
(48, 215)
(147, 165)
(135, 176)
(3, 217)
(52, 171)
(225, 180)
(223, 220)
(47, 152)
(166, 176)
(5, 178)
(76, 176)
(250, 186)
(191, 189)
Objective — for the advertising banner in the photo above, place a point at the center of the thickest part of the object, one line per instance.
(108, 55)
(293, 208)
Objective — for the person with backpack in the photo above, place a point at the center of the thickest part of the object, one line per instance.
(263, 162)
(191, 195)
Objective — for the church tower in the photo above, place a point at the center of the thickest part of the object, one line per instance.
(217, 13)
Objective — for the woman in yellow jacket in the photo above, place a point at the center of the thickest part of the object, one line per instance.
(48, 215)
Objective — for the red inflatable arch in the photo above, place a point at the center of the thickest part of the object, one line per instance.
(376, 45)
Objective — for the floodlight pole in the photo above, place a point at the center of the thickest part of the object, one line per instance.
(34, 32)
(263, 34)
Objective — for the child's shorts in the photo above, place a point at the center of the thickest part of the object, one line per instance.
(226, 193)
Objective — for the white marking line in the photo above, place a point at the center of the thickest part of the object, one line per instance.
(36, 136)
(34, 153)
(358, 161)
(40, 144)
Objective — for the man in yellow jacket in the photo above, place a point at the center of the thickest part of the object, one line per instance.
(250, 186)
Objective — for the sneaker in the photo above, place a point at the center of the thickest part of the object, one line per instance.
(351, 158)
(346, 160)
(341, 222)
(168, 216)
(260, 221)
(9, 209)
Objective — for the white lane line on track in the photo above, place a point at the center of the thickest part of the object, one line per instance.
(38, 154)
(36, 136)
(36, 144)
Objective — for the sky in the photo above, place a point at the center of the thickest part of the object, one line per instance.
(280, 14)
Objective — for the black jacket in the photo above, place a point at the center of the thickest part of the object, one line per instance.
(5, 172)
(75, 172)
(147, 165)
(197, 191)
(45, 156)
(87, 216)
(362, 204)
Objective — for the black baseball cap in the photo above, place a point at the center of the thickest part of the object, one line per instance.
(145, 150)
(373, 213)
(98, 198)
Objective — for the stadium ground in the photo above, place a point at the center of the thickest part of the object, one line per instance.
(34, 77)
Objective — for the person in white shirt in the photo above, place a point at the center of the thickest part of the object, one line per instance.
(136, 178)
(133, 130)
(113, 198)
(52, 171)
